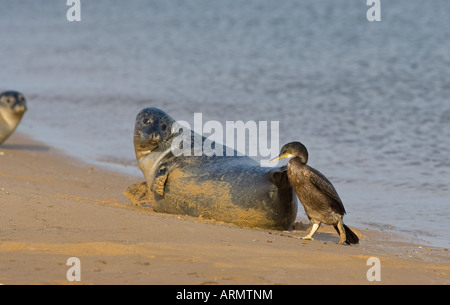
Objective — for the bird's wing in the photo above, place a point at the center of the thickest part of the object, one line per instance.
(325, 186)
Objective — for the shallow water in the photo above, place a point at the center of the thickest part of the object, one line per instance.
(370, 100)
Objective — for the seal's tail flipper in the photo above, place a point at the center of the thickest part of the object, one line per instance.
(285, 192)
(279, 177)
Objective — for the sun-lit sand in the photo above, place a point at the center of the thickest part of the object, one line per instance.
(53, 207)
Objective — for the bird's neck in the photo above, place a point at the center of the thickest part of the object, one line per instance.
(299, 160)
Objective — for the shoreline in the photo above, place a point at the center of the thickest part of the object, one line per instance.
(54, 207)
(430, 237)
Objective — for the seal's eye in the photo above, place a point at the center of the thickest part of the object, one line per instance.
(147, 121)
(163, 127)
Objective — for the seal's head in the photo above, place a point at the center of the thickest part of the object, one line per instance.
(12, 108)
(152, 140)
(13, 103)
(153, 127)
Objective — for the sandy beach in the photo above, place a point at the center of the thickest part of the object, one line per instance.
(54, 207)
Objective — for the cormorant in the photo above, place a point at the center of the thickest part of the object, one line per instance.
(316, 193)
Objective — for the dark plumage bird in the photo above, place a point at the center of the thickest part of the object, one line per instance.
(316, 193)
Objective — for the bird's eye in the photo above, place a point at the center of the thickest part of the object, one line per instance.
(163, 127)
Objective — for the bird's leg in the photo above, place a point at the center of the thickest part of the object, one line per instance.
(314, 228)
(342, 234)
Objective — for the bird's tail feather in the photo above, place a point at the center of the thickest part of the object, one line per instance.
(351, 237)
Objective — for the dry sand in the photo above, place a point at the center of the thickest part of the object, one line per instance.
(53, 207)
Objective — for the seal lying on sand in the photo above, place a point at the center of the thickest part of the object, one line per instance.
(12, 108)
(229, 189)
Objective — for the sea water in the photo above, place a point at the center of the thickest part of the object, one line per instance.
(370, 100)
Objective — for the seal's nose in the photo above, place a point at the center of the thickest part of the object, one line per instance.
(155, 138)
(20, 109)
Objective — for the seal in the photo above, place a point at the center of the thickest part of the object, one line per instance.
(233, 189)
(12, 108)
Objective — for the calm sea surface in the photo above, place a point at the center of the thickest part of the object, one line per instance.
(370, 100)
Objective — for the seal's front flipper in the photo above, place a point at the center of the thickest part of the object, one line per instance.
(160, 181)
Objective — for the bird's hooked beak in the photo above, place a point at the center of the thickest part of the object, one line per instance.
(283, 156)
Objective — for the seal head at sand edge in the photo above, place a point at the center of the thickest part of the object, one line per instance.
(13, 106)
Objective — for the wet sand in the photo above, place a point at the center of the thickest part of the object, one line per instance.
(53, 207)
